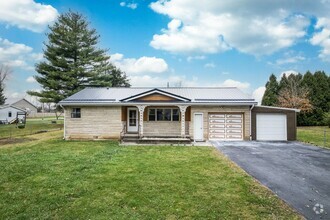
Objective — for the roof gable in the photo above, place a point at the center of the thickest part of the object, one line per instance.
(155, 95)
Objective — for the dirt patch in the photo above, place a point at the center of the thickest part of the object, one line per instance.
(6, 141)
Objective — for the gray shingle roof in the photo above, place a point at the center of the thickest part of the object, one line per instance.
(195, 94)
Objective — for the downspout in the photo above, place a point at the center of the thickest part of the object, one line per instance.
(251, 121)
(64, 134)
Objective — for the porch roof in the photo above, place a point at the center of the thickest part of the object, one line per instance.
(188, 95)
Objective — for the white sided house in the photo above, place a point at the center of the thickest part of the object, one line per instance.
(24, 104)
(9, 113)
(194, 114)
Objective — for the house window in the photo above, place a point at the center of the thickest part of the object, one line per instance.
(76, 113)
(152, 114)
(9, 114)
(163, 114)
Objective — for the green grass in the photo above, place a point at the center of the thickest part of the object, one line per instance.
(56, 179)
(314, 135)
(33, 125)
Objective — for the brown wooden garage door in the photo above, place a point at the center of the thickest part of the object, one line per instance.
(225, 126)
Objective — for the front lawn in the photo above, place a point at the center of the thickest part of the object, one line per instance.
(314, 135)
(56, 179)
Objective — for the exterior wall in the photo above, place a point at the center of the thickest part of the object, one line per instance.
(206, 110)
(162, 128)
(4, 114)
(290, 120)
(23, 104)
(95, 123)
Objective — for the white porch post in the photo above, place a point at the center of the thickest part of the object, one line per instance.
(183, 119)
(141, 111)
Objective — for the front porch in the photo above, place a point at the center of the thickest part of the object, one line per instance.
(156, 124)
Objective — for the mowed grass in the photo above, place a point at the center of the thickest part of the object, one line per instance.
(57, 179)
(314, 135)
(33, 125)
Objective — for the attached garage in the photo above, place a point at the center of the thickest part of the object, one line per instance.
(225, 126)
(273, 123)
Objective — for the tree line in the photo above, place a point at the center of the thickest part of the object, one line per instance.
(309, 92)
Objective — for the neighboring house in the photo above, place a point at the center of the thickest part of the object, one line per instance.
(9, 113)
(199, 114)
(23, 104)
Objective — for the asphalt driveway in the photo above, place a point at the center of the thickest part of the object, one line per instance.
(298, 173)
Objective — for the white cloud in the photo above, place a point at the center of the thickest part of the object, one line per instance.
(190, 58)
(213, 26)
(322, 38)
(234, 83)
(129, 5)
(27, 14)
(141, 65)
(30, 79)
(258, 94)
(17, 55)
(209, 65)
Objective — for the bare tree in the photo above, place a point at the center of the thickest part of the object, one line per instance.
(295, 95)
(5, 71)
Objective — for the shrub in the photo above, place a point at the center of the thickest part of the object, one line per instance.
(21, 126)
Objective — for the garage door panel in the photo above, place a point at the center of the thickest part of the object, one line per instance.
(226, 126)
(217, 136)
(234, 121)
(233, 126)
(233, 116)
(217, 131)
(233, 136)
(217, 121)
(271, 127)
(217, 126)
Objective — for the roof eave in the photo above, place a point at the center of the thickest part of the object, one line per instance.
(63, 103)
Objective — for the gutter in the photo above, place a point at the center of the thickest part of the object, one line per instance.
(251, 121)
(155, 103)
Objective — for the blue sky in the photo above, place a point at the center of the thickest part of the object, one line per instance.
(188, 43)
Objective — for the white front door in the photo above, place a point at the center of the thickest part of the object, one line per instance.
(198, 127)
(132, 120)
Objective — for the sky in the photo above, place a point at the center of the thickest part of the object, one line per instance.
(180, 42)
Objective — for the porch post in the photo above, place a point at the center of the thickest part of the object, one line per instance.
(141, 111)
(183, 119)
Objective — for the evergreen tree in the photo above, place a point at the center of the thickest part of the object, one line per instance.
(271, 92)
(73, 61)
(319, 87)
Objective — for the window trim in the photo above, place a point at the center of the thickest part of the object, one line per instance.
(171, 108)
(74, 113)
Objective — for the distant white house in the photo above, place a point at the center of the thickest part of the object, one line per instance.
(24, 104)
(9, 113)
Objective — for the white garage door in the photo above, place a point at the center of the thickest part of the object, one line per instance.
(226, 126)
(271, 127)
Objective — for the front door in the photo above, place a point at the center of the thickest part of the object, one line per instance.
(132, 122)
(198, 127)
